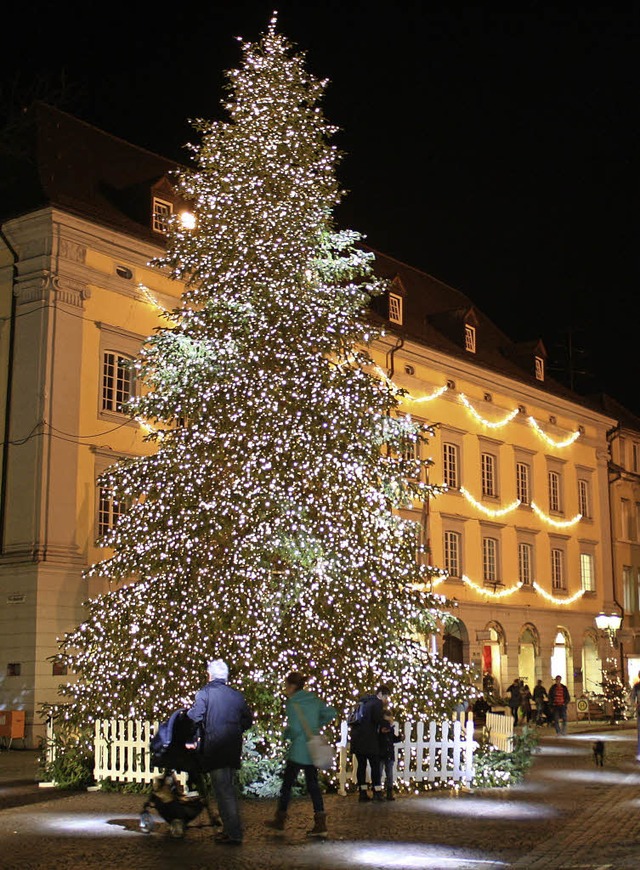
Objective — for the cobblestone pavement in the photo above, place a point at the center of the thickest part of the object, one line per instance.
(567, 814)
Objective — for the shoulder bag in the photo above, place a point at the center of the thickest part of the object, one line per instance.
(320, 750)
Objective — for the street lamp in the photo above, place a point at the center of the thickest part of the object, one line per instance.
(609, 623)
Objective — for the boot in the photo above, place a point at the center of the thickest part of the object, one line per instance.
(363, 797)
(390, 796)
(319, 826)
(377, 795)
(277, 824)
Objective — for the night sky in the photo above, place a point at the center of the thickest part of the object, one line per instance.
(495, 148)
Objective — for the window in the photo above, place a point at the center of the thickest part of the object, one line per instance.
(583, 498)
(469, 338)
(638, 588)
(587, 577)
(452, 553)
(554, 492)
(523, 477)
(627, 589)
(625, 518)
(108, 511)
(525, 564)
(450, 465)
(622, 451)
(635, 457)
(490, 560)
(539, 368)
(411, 454)
(395, 308)
(117, 381)
(162, 211)
(557, 568)
(489, 483)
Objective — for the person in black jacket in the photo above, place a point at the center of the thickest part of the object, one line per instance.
(388, 740)
(365, 743)
(223, 715)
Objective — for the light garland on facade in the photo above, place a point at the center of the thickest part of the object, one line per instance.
(490, 424)
(430, 397)
(490, 512)
(553, 599)
(552, 441)
(482, 590)
(558, 524)
(149, 297)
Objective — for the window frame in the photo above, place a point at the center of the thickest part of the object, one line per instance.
(451, 537)
(554, 487)
(126, 345)
(587, 574)
(584, 498)
(490, 560)
(525, 571)
(523, 482)
(558, 573)
(489, 474)
(469, 338)
(160, 221)
(395, 310)
(451, 464)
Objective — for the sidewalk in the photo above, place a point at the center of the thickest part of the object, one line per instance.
(567, 814)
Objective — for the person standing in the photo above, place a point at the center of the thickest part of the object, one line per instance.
(365, 743)
(388, 740)
(304, 711)
(224, 716)
(526, 703)
(558, 699)
(515, 698)
(539, 697)
(635, 699)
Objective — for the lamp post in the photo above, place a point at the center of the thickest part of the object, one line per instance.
(609, 624)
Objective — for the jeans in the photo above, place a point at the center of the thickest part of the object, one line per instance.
(361, 772)
(223, 780)
(539, 712)
(291, 771)
(560, 715)
(386, 767)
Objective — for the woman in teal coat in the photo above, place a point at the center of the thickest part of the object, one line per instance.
(303, 707)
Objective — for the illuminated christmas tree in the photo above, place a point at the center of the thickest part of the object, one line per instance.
(265, 527)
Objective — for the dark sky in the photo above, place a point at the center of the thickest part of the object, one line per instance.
(495, 148)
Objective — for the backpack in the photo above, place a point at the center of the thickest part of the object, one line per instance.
(165, 753)
(356, 714)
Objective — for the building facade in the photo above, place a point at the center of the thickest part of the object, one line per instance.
(524, 529)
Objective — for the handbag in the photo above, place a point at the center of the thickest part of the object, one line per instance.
(320, 750)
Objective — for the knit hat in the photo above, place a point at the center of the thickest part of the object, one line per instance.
(218, 670)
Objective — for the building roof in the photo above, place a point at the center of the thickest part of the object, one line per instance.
(53, 159)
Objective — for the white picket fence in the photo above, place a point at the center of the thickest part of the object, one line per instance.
(499, 731)
(431, 752)
(122, 751)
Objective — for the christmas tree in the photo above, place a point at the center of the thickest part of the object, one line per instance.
(264, 529)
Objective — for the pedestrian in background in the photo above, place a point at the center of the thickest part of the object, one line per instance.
(388, 740)
(224, 715)
(515, 698)
(303, 708)
(635, 699)
(558, 699)
(365, 743)
(539, 697)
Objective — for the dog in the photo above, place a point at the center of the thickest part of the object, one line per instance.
(598, 753)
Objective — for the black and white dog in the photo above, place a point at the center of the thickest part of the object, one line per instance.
(598, 752)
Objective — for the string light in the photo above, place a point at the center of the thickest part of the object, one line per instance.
(558, 524)
(553, 599)
(490, 424)
(491, 593)
(490, 512)
(552, 441)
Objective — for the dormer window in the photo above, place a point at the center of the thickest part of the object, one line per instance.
(469, 338)
(539, 364)
(162, 211)
(395, 308)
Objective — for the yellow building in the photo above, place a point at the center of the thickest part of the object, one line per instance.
(524, 529)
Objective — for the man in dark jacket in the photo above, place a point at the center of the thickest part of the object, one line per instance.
(365, 743)
(558, 700)
(224, 715)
